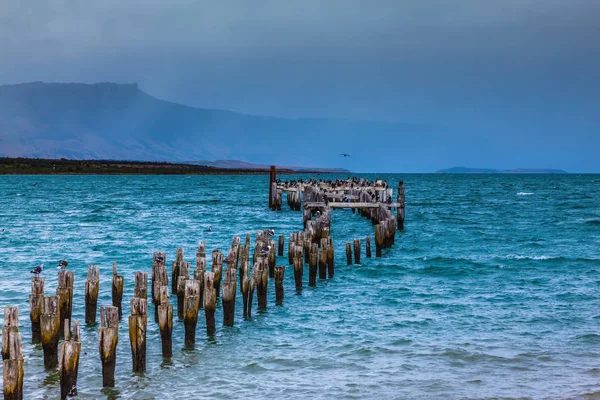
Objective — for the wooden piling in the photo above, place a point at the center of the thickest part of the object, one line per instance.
(159, 278)
(330, 257)
(217, 269)
(313, 264)
(279, 274)
(281, 245)
(272, 186)
(200, 270)
(64, 291)
(138, 322)
(165, 321)
(36, 299)
(108, 337)
(92, 286)
(69, 362)
(379, 239)
(260, 276)
(272, 258)
(118, 282)
(368, 247)
(323, 264)
(348, 254)
(12, 355)
(356, 251)
(298, 271)
(184, 276)
(49, 329)
(244, 278)
(229, 291)
(251, 296)
(210, 302)
(190, 310)
(401, 207)
(175, 269)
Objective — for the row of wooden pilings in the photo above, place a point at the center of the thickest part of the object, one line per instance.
(51, 315)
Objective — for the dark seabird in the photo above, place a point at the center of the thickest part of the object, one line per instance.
(271, 232)
(38, 270)
(265, 251)
(344, 155)
(63, 264)
(209, 229)
(159, 259)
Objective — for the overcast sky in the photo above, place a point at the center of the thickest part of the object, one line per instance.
(510, 72)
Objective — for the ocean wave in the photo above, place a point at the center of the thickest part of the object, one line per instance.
(593, 222)
(524, 194)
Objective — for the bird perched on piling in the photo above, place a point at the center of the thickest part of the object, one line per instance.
(62, 264)
(265, 251)
(271, 232)
(37, 270)
(159, 259)
(229, 259)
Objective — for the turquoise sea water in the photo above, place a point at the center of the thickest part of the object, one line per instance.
(492, 291)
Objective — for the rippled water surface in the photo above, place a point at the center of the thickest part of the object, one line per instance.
(492, 291)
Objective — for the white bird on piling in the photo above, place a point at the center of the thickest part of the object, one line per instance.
(62, 264)
(37, 270)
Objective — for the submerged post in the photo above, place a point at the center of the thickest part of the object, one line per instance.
(279, 273)
(69, 362)
(191, 304)
(356, 251)
(210, 302)
(165, 322)
(108, 337)
(368, 247)
(348, 254)
(49, 328)
(138, 322)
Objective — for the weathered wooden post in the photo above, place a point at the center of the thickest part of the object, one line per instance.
(210, 302)
(138, 321)
(348, 254)
(49, 329)
(175, 269)
(69, 362)
(368, 247)
(92, 286)
(279, 274)
(261, 280)
(200, 270)
(191, 304)
(330, 257)
(229, 291)
(36, 299)
(313, 264)
(272, 258)
(118, 282)
(281, 245)
(159, 278)
(401, 205)
(108, 337)
(183, 277)
(245, 279)
(12, 355)
(217, 269)
(165, 322)
(379, 239)
(356, 251)
(323, 264)
(298, 270)
(64, 291)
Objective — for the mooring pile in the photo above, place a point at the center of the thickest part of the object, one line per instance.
(198, 290)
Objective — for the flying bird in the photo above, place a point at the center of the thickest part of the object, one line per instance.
(344, 155)
(63, 264)
(37, 270)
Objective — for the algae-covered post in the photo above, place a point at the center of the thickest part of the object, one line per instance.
(12, 355)
(118, 283)
(69, 362)
(49, 329)
(108, 338)
(92, 286)
(165, 321)
(36, 299)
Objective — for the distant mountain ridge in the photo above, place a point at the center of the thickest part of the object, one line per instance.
(464, 170)
(121, 122)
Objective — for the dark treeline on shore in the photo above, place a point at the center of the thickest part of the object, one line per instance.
(26, 166)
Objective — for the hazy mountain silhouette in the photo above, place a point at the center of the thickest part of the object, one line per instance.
(117, 121)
